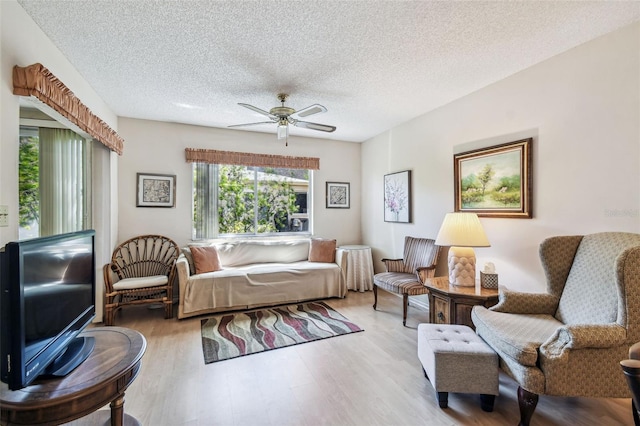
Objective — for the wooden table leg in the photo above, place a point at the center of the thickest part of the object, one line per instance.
(117, 411)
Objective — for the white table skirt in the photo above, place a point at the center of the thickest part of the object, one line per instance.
(359, 271)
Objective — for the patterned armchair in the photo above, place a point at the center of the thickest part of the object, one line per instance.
(570, 340)
(406, 276)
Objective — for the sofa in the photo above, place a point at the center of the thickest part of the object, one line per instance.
(238, 275)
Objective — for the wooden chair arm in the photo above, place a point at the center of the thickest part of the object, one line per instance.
(634, 351)
(393, 265)
(425, 272)
(108, 278)
(173, 276)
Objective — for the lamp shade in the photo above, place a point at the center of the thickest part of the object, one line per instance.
(462, 230)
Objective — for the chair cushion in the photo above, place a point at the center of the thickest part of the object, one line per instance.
(515, 335)
(141, 282)
(400, 282)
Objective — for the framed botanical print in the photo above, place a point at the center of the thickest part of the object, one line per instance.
(397, 197)
(494, 181)
(338, 196)
(156, 190)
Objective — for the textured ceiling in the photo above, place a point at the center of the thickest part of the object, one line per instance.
(373, 64)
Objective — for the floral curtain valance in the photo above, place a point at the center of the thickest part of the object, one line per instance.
(36, 80)
(213, 156)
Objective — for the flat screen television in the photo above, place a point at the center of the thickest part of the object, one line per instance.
(47, 297)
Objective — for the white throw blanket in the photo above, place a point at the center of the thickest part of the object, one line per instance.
(258, 273)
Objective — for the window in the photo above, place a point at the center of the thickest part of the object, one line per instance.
(54, 181)
(246, 200)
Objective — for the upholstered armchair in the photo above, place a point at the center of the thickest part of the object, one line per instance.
(570, 340)
(406, 276)
(141, 271)
(631, 368)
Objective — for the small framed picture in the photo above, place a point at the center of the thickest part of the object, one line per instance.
(156, 190)
(338, 195)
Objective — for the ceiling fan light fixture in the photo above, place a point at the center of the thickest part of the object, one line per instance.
(283, 129)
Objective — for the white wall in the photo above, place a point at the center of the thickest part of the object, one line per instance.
(582, 109)
(158, 147)
(23, 43)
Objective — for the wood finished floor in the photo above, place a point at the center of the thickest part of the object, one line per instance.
(369, 378)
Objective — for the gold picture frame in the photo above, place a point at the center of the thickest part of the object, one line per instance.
(495, 181)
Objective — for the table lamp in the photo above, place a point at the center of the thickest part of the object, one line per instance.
(462, 232)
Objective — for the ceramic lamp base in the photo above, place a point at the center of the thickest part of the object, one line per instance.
(462, 266)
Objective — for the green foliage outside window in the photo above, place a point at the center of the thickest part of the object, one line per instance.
(28, 185)
(235, 211)
(276, 199)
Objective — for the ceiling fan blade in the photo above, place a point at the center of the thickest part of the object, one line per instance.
(259, 111)
(310, 110)
(251, 124)
(314, 126)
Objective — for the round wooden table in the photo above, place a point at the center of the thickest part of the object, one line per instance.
(98, 381)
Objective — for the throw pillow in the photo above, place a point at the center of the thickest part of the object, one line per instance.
(205, 259)
(322, 250)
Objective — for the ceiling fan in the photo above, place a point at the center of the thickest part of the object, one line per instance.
(284, 115)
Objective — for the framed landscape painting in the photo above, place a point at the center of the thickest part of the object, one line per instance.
(338, 195)
(397, 197)
(494, 181)
(156, 190)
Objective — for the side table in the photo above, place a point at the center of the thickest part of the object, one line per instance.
(101, 379)
(452, 304)
(359, 271)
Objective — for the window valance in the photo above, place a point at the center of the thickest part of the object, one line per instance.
(213, 156)
(36, 80)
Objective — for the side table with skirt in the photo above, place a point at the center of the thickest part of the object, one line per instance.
(359, 271)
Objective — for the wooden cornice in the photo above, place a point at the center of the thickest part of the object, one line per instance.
(37, 81)
(212, 156)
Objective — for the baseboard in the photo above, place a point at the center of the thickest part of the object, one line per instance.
(420, 304)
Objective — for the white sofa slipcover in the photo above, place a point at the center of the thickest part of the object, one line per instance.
(258, 273)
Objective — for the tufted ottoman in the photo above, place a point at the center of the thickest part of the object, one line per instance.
(456, 359)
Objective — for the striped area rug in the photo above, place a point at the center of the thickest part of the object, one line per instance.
(229, 336)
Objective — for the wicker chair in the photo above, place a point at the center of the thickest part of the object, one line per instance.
(141, 271)
(406, 276)
(570, 340)
(631, 369)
